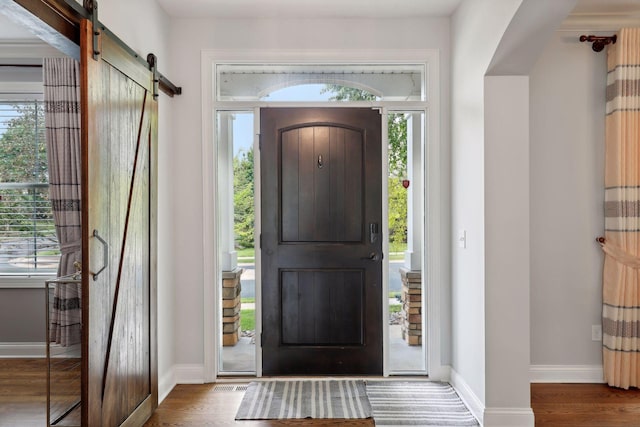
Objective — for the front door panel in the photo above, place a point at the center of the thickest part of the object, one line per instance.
(321, 246)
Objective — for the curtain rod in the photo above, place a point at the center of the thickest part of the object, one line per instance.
(599, 42)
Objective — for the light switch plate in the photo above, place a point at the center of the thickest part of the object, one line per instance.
(462, 239)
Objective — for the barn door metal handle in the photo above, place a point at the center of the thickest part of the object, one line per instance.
(105, 254)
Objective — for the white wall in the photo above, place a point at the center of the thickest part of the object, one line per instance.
(567, 175)
(22, 316)
(189, 37)
(477, 27)
(143, 25)
(507, 198)
(507, 250)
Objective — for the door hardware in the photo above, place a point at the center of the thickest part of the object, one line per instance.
(373, 232)
(105, 254)
(373, 256)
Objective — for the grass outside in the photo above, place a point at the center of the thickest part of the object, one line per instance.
(248, 317)
(395, 308)
(396, 253)
(246, 255)
(248, 320)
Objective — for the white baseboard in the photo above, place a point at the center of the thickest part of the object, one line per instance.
(467, 395)
(441, 373)
(12, 350)
(166, 383)
(508, 417)
(189, 374)
(566, 374)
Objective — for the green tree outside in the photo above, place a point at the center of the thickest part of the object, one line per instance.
(25, 211)
(23, 156)
(243, 195)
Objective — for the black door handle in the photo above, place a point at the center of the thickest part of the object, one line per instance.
(373, 256)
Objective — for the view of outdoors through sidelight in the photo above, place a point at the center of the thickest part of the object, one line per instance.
(235, 150)
(239, 281)
(404, 203)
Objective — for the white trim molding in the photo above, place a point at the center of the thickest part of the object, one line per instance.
(27, 49)
(566, 374)
(166, 383)
(22, 350)
(490, 417)
(508, 417)
(189, 374)
(599, 22)
(434, 263)
(469, 398)
(24, 282)
(210, 251)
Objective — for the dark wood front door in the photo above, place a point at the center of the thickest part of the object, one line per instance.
(119, 386)
(321, 241)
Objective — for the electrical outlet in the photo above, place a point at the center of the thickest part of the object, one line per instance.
(596, 332)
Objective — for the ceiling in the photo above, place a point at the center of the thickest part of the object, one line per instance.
(309, 8)
(14, 32)
(355, 8)
(603, 15)
(585, 11)
(605, 7)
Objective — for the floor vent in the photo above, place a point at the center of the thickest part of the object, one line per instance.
(230, 387)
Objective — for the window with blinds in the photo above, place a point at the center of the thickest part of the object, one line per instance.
(28, 242)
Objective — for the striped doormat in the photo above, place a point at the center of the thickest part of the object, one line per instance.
(275, 400)
(417, 404)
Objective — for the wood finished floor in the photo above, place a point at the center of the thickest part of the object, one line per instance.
(585, 405)
(23, 402)
(200, 405)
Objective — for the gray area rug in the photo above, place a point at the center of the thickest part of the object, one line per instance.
(417, 404)
(275, 400)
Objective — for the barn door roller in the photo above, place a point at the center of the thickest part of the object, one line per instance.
(92, 9)
(153, 66)
(89, 10)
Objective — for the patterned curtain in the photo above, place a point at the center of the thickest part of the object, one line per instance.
(621, 281)
(62, 119)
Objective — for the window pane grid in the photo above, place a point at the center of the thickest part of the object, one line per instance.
(28, 242)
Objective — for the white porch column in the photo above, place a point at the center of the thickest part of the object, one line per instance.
(228, 254)
(413, 254)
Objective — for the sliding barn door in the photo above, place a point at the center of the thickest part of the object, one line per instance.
(119, 290)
